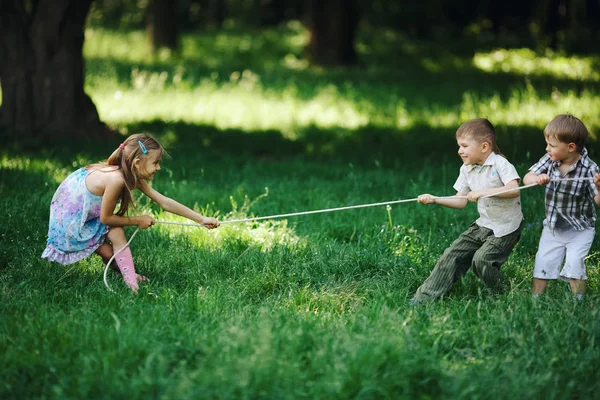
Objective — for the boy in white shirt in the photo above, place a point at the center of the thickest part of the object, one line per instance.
(488, 242)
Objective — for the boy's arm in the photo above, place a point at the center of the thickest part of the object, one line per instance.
(175, 207)
(474, 195)
(597, 183)
(532, 177)
(450, 202)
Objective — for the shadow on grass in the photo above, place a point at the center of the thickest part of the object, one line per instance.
(411, 149)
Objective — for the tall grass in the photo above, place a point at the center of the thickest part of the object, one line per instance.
(306, 307)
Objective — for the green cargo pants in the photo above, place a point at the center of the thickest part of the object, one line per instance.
(475, 248)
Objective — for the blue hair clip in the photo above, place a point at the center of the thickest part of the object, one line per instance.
(144, 149)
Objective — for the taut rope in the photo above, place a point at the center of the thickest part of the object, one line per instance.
(385, 203)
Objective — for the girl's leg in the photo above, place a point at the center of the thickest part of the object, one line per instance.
(105, 251)
(124, 258)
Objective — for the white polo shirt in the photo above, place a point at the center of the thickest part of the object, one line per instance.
(502, 216)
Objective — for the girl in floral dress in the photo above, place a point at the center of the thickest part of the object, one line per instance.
(83, 220)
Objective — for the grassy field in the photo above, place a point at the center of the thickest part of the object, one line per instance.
(305, 307)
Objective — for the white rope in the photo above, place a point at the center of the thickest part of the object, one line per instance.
(535, 184)
(385, 203)
(509, 190)
(232, 221)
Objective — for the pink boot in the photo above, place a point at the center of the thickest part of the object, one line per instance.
(125, 262)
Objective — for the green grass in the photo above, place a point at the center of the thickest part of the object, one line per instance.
(305, 307)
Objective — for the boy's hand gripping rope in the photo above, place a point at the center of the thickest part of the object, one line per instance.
(327, 210)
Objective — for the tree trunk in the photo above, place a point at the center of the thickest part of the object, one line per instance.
(162, 24)
(42, 71)
(556, 20)
(332, 25)
(271, 12)
(217, 10)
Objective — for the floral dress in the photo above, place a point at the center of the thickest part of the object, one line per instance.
(75, 230)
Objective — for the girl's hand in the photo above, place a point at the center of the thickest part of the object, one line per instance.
(144, 221)
(426, 199)
(210, 223)
(597, 181)
(543, 179)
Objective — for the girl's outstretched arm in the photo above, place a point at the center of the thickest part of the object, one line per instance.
(175, 207)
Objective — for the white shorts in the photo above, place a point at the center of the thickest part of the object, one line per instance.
(570, 246)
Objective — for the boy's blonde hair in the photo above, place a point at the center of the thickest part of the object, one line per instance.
(567, 129)
(481, 130)
(124, 156)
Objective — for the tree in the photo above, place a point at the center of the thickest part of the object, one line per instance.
(162, 24)
(42, 69)
(271, 12)
(333, 25)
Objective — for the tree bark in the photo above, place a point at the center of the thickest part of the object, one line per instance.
(272, 12)
(162, 24)
(555, 21)
(42, 68)
(333, 25)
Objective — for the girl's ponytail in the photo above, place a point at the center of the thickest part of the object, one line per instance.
(115, 157)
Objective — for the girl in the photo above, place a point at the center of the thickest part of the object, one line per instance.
(82, 212)
(486, 245)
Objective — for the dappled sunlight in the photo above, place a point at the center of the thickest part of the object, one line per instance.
(529, 108)
(233, 106)
(204, 49)
(323, 301)
(263, 235)
(54, 171)
(404, 241)
(117, 45)
(241, 103)
(258, 81)
(527, 62)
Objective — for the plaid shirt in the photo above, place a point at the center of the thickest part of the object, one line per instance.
(572, 200)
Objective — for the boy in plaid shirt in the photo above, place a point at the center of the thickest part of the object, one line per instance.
(568, 229)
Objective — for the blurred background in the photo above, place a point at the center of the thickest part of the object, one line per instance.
(58, 53)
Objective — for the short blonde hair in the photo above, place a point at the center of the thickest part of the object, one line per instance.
(567, 129)
(481, 130)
